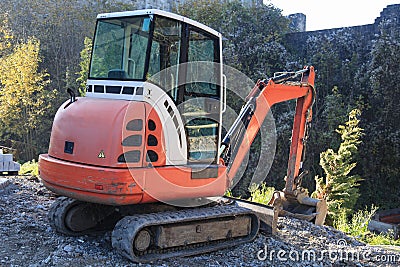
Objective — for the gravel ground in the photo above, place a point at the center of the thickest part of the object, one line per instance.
(26, 239)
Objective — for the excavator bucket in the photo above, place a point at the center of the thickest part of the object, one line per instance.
(300, 206)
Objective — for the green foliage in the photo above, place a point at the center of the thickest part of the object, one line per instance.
(258, 193)
(381, 155)
(261, 194)
(228, 193)
(338, 187)
(334, 113)
(84, 64)
(60, 28)
(363, 63)
(357, 227)
(29, 168)
(381, 239)
(249, 46)
(23, 99)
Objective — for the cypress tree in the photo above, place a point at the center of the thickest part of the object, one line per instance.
(339, 187)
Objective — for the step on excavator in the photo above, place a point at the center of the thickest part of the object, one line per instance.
(146, 159)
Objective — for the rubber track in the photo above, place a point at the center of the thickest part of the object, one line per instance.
(127, 228)
(57, 214)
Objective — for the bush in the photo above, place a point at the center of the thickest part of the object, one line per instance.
(358, 228)
(30, 168)
(261, 194)
(358, 225)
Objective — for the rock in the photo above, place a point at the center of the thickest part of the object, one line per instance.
(4, 183)
(68, 248)
(47, 260)
(40, 207)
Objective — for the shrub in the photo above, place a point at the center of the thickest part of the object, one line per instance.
(261, 193)
(358, 228)
(358, 225)
(30, 168)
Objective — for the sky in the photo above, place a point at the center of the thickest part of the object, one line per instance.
(330, 14)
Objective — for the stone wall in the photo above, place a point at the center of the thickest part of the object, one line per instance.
(365, 34)
(169, 5)
(298, 22)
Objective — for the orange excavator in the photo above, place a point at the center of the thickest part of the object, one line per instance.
(142, 152)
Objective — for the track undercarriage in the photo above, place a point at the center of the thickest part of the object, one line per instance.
(149, 232)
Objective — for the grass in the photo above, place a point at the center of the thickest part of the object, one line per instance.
(357, 227)
(385, 240)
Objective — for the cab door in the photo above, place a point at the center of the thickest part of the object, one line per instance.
(201, 109)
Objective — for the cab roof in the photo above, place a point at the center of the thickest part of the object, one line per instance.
(160, 13)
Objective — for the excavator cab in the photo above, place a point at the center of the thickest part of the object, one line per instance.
(160, 48)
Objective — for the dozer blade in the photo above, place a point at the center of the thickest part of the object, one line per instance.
(268, 215)
(300, 206)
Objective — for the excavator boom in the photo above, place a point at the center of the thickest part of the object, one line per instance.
(259, 102)
(286, 86)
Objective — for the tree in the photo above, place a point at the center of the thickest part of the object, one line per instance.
(61, 28)
(6, 35)
(84, 64)
(23, 98)
(339, 187)
(249, 45)
(381, 156)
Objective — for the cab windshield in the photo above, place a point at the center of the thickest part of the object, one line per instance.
(134, 48)
(114, 56)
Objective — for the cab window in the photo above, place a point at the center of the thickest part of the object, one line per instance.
(201, 107)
